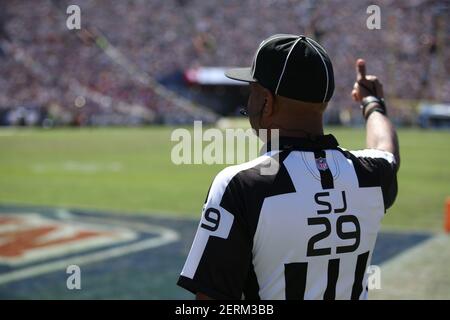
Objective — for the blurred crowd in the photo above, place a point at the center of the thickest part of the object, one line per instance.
(105, 72)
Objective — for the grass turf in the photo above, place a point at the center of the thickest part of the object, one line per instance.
(129, 170)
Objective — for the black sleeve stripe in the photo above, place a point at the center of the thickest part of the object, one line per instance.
(225, 263)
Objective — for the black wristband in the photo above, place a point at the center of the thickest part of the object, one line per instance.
(370, 99)
(382, 111)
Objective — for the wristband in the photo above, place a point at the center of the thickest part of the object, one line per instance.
(370, 99)
(382, 111)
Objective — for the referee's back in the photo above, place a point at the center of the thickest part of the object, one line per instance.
(306, 232)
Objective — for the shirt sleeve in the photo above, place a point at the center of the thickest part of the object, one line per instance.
(381, 169)
(220, 256)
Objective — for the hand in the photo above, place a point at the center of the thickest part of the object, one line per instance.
(365, 85)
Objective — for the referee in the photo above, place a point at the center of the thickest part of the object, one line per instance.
(309, 230)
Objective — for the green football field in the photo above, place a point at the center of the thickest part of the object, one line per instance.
(129, 170)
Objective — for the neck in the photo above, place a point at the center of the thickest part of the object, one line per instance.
(296, 118)
(300, 128)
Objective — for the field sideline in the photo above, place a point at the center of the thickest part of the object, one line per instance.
(129, 170)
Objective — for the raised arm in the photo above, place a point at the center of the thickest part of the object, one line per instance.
(380, 131)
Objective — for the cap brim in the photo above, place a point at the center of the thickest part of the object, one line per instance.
(240, 74)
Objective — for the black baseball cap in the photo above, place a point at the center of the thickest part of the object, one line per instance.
(292, 66)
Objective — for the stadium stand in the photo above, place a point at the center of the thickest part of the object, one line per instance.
(109, 71)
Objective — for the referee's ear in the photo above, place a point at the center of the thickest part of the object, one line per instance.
(269, 103)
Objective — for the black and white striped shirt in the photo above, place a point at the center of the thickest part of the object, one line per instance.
(306, 232)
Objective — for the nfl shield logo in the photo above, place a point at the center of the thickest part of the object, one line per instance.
(321, 164)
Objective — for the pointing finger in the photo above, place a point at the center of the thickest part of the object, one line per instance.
(360, 69)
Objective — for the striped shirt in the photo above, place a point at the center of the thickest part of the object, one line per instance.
(306, 232)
